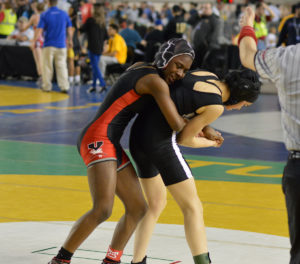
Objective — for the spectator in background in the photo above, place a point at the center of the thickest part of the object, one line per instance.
(290, 33)
(143, 6)
(154, 14)
(143, 22)
(193, 8)
(131, 37)
(271, 39)
(182, 9)
(260, 23)
(64, 5)
(116, 51)
(153, 41)
(74, 52)
(176, 26)
(206, 33)
(36, 47)
(192, 17)
(119, 15)
(22, 35)
(8, 20)
(86, 10)
(23, 9)
(56, 25)
(285, 14)
(95, 29)
(132, 12)
(166, 12)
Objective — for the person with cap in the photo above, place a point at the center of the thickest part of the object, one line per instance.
(281, 66)
(201, 97)
(108, 167)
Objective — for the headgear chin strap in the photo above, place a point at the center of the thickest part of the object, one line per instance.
(244, 85)
(170, 49)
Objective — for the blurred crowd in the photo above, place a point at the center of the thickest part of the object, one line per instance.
(143, 27)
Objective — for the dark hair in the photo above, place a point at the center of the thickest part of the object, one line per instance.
(244, 85)
(40, 7)
(258, 5)
(114, 26)
(176, 8)
(170, 49)
(53, 2)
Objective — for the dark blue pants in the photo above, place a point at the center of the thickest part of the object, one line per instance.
(94, 59)
(291, 189)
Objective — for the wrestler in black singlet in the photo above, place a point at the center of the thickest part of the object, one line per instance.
(99, 141)
(153, 143)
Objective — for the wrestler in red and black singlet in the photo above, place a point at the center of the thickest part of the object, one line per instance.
(100, 140)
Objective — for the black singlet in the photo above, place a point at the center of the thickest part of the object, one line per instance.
(152, 142)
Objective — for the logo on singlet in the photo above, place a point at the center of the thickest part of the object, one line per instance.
(95, 147)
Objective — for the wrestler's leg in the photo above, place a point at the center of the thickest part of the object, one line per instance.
(130, 192)
(102, 178)
(192, 210)
(156, 196)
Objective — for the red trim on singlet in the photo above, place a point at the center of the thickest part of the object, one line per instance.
(98, 130)
(102, 123)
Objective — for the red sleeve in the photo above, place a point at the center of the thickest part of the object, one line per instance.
(2, 15)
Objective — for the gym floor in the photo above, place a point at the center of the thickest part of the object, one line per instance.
(43, 184)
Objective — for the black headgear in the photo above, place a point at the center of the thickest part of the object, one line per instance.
(244, 85)
(170, 49)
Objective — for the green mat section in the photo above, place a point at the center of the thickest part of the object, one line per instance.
(48, 159)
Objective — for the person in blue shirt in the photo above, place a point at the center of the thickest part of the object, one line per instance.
(131, 37)
(55, 25)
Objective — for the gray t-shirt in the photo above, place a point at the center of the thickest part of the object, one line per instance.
(282, 66)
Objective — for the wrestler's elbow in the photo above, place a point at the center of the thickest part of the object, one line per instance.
(178, 125)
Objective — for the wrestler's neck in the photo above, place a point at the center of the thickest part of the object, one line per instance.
(225, 91)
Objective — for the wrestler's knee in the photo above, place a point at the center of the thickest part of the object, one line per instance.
(101, 213)
(138, 211)
(156, 206)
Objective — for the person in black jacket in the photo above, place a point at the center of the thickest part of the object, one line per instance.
(176, 26)
(95, 28)
(205, 34)
(290, 33)
(154, 39)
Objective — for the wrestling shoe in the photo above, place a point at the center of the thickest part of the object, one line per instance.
(142, 262)
(59, 261)
(106, 261)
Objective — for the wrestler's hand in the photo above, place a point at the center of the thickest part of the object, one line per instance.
(211, 134)
(247, 18)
